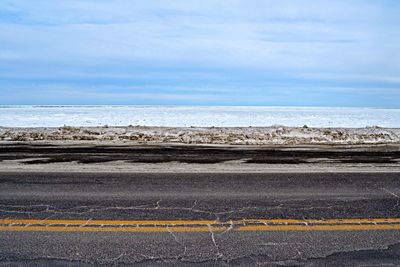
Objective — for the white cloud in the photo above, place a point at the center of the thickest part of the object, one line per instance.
(80, 38)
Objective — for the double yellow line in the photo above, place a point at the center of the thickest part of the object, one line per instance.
(197, 225)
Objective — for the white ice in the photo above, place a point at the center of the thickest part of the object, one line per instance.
(185, 116)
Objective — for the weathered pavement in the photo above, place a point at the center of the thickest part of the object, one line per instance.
(306, 219)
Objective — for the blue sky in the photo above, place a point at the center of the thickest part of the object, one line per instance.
(237, 52)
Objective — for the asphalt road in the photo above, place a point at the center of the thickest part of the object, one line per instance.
(305, 219)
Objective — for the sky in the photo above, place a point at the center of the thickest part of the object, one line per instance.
(190, 52)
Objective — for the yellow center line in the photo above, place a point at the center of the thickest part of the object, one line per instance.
(107, 222)
(327, 221)
(345, 227)
(197, 222)
(112, 229)
(198, 225)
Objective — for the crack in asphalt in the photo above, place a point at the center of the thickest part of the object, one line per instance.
(218, 255)
(181, 256)
(390, 192)
(397, 205)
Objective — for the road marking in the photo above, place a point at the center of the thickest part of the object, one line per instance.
(328, 221)
(106, 222)
(345, 227)
(198, 225)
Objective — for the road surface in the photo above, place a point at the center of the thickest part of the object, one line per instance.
(305, 219)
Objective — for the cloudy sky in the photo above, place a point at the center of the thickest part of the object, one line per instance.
(236, 52)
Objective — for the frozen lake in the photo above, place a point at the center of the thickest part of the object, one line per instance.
(180, 116)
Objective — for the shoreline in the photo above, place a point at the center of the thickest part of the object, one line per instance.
(247, 136)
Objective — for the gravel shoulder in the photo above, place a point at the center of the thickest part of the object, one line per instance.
(80, 156)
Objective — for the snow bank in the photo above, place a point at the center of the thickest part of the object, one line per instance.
(275, 135)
